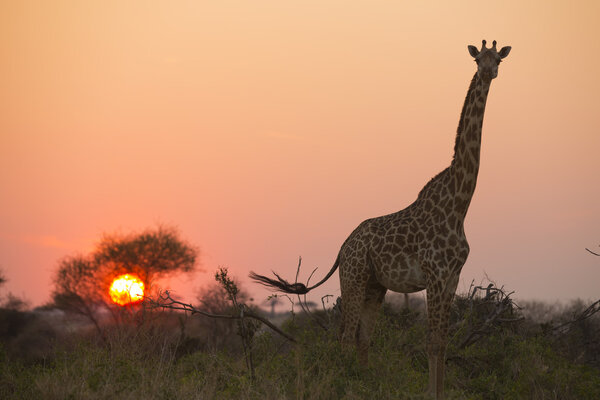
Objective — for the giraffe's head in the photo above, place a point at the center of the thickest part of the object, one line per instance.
(488, 59)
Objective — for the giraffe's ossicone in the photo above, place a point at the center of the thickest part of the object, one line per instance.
(420, 247)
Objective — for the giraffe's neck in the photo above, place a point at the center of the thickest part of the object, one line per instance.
(465, 164)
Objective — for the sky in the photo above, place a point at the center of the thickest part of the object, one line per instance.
(269, 130)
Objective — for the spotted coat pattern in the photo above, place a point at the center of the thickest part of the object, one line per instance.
(420, 247)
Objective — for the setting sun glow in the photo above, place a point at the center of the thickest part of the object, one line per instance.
(126, 289)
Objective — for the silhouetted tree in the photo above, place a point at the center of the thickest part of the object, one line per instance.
(81, 283)
(151, 254)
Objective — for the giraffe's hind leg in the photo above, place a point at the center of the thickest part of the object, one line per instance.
(374, 295)
(352, 300)
(353, 288)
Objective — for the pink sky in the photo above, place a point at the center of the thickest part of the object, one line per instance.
(268, 131)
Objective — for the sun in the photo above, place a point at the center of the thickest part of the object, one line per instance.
(126, 289)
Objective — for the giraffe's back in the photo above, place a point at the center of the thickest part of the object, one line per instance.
(395, 247)
(384, 246)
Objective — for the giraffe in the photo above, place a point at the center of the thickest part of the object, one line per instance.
(420, 247)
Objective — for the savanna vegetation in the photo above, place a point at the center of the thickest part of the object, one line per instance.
(497, 351)
(82, 282)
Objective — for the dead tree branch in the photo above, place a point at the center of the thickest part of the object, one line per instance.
(596, 254)
(166, 301)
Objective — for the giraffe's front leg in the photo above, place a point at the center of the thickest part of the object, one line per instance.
(439, 299)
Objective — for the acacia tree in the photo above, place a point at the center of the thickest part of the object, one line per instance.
(81, 282)
(151, 254)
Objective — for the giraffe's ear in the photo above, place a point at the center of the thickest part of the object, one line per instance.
(504, 51)
(473, 51)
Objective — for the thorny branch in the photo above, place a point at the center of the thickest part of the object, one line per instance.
(166, 301)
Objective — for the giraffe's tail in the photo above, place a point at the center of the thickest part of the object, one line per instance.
(280, 284)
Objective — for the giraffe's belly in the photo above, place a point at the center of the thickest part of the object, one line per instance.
(401, 274)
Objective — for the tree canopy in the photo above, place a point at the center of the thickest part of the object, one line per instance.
(150, 254)
(82, 282)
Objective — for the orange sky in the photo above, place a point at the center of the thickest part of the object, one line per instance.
(268, 130)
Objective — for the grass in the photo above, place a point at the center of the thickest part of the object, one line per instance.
(520, 361)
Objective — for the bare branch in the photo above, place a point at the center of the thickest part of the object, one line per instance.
(166, 301)
(298, 269)
(596, 254)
